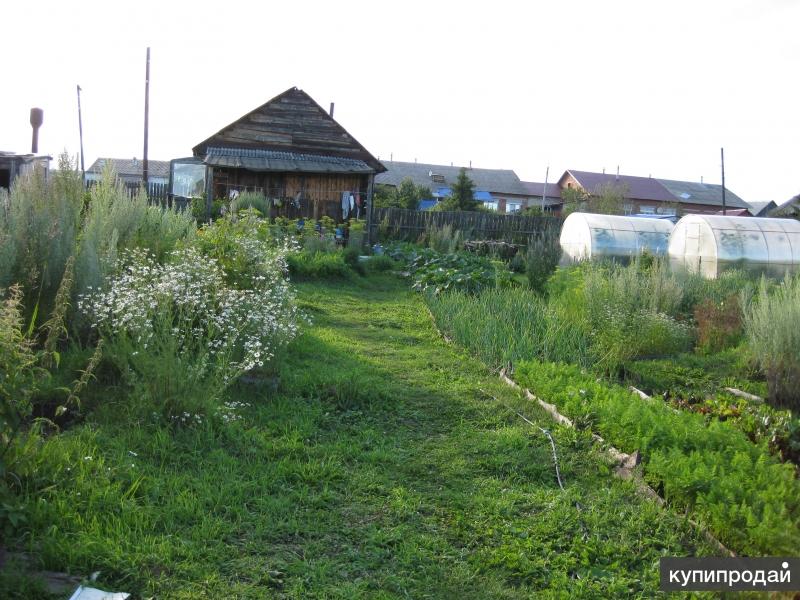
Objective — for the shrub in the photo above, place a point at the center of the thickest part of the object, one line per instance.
(772, 327)
(39, 223)
(541, 260)
(445, 239)
(180, 335)
(250, 201)
(305, 265)
(380, 264)
(115, 222)
(630, 312)
(719, 325)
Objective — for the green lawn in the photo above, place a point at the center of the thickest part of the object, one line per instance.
(373, 467)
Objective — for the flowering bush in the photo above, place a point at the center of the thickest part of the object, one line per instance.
(181, 334)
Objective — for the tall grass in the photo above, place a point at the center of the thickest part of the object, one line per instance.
(115, 222)
(510, 325)
(772, 327)
(39, 223)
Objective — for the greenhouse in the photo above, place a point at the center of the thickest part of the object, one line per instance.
(708, 244)
(587, 235)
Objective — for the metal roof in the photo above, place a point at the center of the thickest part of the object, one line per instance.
(760, 209)
(535, 188)
(495, 181)
(125, 167)
(255, 159)
(637, 188)
(687, 192)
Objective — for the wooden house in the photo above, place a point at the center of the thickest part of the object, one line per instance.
(295, 154)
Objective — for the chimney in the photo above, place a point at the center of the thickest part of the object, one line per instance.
(701, 179)
(617, 172)
(37, 118)
(470, 164)
(331, 112)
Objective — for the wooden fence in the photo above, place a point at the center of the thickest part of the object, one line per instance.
(409, 224)
(157, 193)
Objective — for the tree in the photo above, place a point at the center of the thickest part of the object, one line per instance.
(406, 195)
(462, 194)
(574, 200)
(608, 199)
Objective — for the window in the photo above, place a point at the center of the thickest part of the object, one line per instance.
(666, 210)
(512, 207)
(188, 179)
(491, 205)
(647, 210)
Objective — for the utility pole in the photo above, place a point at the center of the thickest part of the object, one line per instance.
(80, 131)
(146, 118)
(544, 191)
(722, 156)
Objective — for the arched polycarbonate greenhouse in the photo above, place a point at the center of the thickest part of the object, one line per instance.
(708, 244)
(586, 235)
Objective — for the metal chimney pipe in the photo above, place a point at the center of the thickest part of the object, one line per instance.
(331, 109)
(37, 118)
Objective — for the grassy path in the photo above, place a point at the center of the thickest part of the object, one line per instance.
(378, 470)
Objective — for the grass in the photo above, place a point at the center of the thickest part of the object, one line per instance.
(372, 467)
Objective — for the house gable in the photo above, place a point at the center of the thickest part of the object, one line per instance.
(291, 122)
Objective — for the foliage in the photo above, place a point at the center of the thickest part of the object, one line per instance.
(772, 327)
(368, 473)
(180, 335)
(198, 209)
(245, 246)
(380, 264)
(462, 194)
(406, 195)
(719, 325)
(39, 223)
(541, 260)
(436, 273)
(306, 265)
(115, 222)
(250, 200)
(445, 239)
(509, 325)
(574, 200)
(608, 199)
(746, 497)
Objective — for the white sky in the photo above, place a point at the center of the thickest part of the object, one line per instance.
(656, 87)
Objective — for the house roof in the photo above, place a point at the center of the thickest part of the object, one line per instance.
(687, 192)
(291, 122)
(761, 209)
(637, 188)
(499, 181)
(535, 188)
(125, 167)
(271, 160)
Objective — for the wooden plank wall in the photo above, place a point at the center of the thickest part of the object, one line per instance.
(409, 224)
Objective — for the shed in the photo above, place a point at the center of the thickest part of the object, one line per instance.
(13, 165)
(708, 244)
(588, 235)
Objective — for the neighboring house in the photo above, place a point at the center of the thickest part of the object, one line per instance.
(129, 171)
(648, 195)
(291, 151)
(12, 165)
(550, 191)
(762, 209)
(790, 208)
(498, 189)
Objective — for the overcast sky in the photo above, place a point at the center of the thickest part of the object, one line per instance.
(653, 87)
